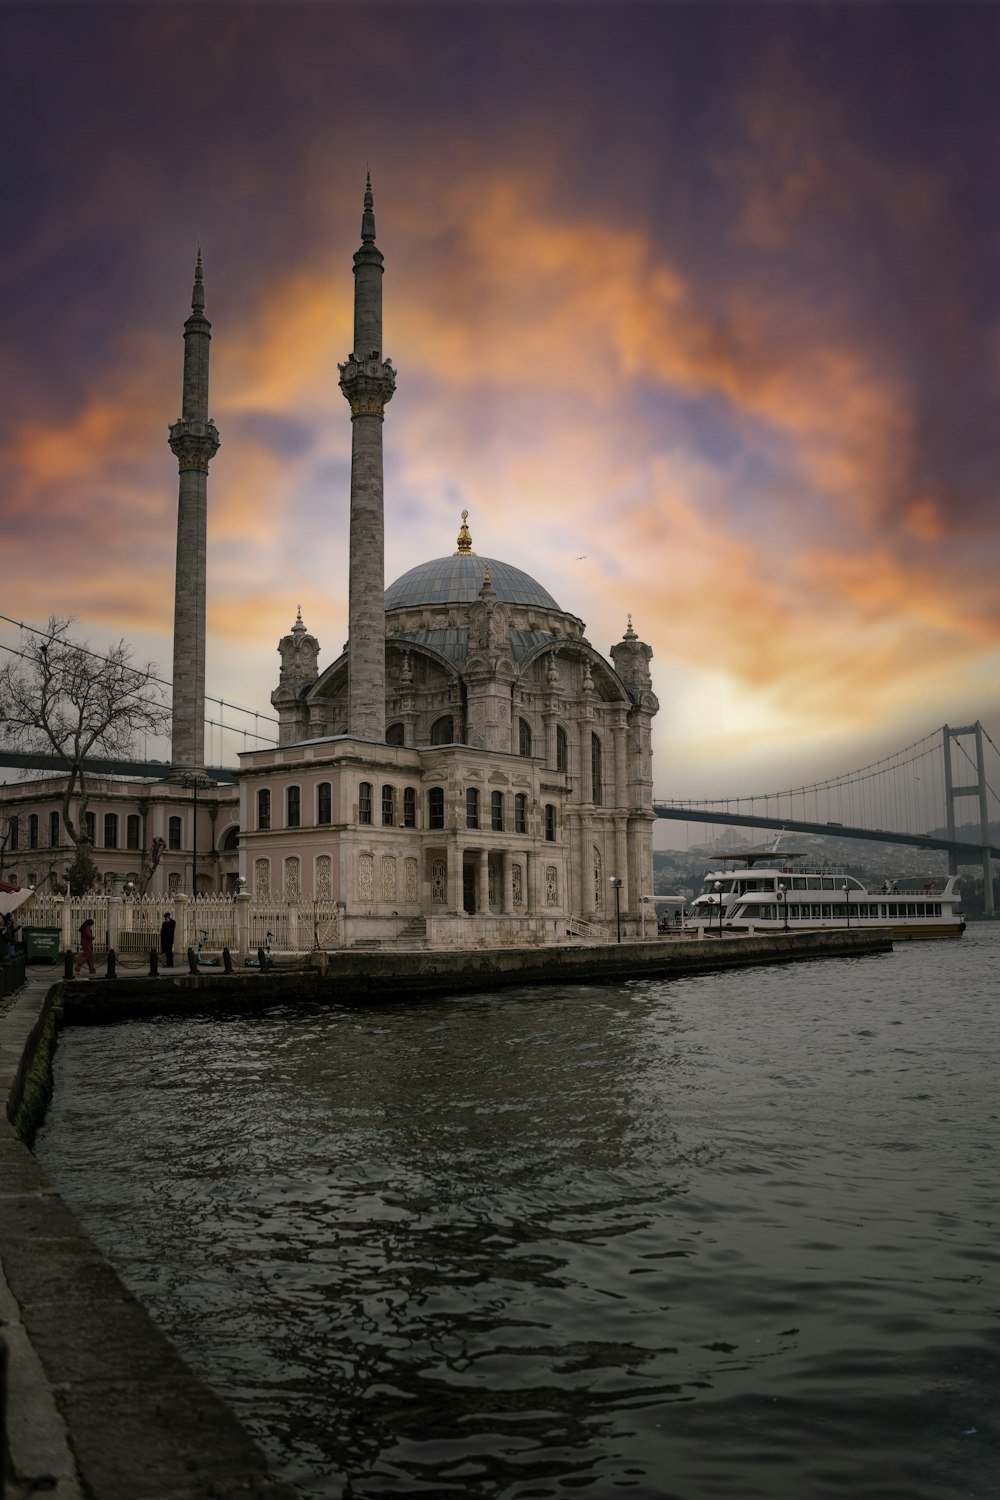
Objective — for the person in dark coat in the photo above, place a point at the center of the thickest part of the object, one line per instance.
(86, 954)
(167, 931)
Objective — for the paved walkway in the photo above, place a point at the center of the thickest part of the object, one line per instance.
(99, 1403)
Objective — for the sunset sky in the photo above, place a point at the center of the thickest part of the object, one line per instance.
(694, 309)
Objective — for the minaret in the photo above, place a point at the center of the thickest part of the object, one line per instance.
(368, 382)
(195, 442)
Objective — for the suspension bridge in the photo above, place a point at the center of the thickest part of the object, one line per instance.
(932, 794)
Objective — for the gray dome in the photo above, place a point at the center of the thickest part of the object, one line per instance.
(458, 579)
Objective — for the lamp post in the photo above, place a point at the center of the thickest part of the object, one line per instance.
(194, 780)
(847, 902)
(718, 897)
(616, 881)
(783, 898)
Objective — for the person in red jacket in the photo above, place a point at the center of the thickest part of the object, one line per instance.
(86, 954)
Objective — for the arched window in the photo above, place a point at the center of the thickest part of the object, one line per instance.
(472, 807)
(409, 807)
(111, 830)
(293, 806)
(562, 749)
(443, 730)
(520, 813)
(388, 806)
(53, 830)
(365, 802)
(133, 831)
(596, 770)
(435, 807)
(231, 840)
(33, 831)
(174, 833)
(394, 734)
(90, 827)
(496, 811)
(13, 827)
(324, 803)
(550, 823)
(263, 810)
(523, 737)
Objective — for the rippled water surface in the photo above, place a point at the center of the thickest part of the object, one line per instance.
(732, 1236)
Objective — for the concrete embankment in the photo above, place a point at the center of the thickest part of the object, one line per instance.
(99, 1403)
(394, 975)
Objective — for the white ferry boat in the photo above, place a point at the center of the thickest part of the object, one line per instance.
(764, 891)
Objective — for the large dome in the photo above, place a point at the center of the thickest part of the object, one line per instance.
(458, 579)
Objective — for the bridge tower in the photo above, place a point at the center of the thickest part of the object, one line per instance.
(952, 792)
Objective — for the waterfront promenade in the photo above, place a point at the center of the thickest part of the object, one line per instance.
(99, 1403)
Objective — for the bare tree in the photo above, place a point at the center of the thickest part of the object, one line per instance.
(59, 697)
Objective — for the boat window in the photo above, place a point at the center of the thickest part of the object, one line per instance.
(829, 884)
(813, 883)
(799, 883)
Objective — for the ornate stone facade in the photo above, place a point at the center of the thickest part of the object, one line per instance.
(480, 758)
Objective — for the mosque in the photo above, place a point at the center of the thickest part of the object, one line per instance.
(470, 770)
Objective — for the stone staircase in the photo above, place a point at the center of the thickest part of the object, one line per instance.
(413, 933)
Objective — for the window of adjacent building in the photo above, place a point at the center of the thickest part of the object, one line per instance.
(324, 803)
(174, 833)
(409, 807)
(597, 769)
(111, 830)
(394, 734)
(90, 827)
(293, 807)
(388, 806)
(435, 807)
(443, 730)
(132, 831)
(263, 810)
(13, 831)
(562, 749)
(550, 823)
(472, 807)
(53, 830)
(520, 813)
(33, 831)
(365, 802)
(496, 811)
(523, 737)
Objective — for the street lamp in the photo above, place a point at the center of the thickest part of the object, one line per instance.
(847, 901)
(194, 780)
(617, 883)
(718, 897)
(783, 898)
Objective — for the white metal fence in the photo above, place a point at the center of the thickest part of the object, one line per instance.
(131, 925)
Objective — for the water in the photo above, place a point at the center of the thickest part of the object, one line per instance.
(730, 1236)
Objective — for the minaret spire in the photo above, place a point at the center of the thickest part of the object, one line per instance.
(194, 440)
(368, 382)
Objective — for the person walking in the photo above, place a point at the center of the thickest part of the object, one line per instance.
(86, 954)
(167, 931)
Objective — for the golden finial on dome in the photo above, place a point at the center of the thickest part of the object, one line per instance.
(465, 539)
